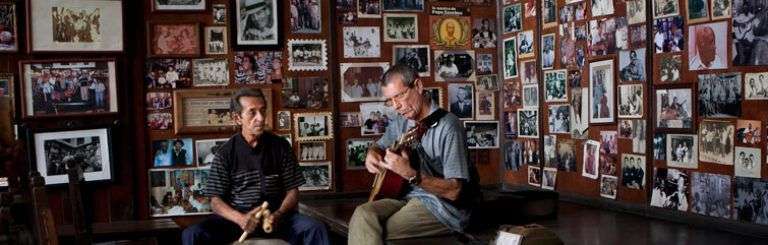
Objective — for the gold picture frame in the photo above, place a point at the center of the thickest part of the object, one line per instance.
(207, 110)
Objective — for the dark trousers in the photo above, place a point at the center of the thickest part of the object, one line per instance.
(294, 228)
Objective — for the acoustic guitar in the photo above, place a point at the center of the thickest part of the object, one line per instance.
(391, 185)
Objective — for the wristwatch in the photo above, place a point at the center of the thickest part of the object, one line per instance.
(415, 180)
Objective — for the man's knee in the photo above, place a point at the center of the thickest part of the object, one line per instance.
(364, 212)
(193, 235)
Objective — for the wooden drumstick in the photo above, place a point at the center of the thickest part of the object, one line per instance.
(257, 217)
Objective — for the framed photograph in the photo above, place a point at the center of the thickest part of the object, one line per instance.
(602, 7)
(528, 123)
(306, 17)
(513, 155)
(9, 41)
(256, 23)
(528, 72)
(591, 154)
(461, 101)
(721, 9)
(708, 45)
(486, 105)
(633, 171)
(205, 150)
(484, 64)
(579, 110)
(368, 8)
(608, 184)
(555, 86)
(550, 145)
(93, 147)
(673, 108)
(450, 32)
(51, 24)
(350, 119)
(305, 92)
(159, 120)
(534, 176)
(638, 136)
(164, 191)
(376, 116)
(548, 51)
(549, 13)
(173, 39)
(559, 119)
(401, 28)
(168, 73)
(312, 151)
(219, 13)
(697, 11)
(172, 152)
(510, 124)
(513, 18)
(548, 179)
(636, 11)
(720, 95)
(412, 6)
(483, 33)
(216, 40)
(670, 198)
(603, 36)
(362, 81)
(747, 162)
(711, 194)
(357, 148)
(510, 58)
(665, 8)
(307, 55)
(631, 99)
(159, 101)
(454, 65)
(318, 175)
(284, 120)
(681, 151)
(632, 64)
(670, 33)
(44, 82)
(258, 67)
(748, 132)
(756, 86)
(313, 126)
(716, 139)
(166, 5)
(565, 158)
(210, 72)
(744, 193)
(526, 45)
(207, 110)
(415, 56)
(435, 95)
(511, 89)
(362, 42)
(601, 89)
(487, 83)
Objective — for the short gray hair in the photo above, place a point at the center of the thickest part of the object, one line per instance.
(404, 72)
(234, 104)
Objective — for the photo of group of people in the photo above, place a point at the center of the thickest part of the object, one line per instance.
(172, 152)
(258, 67)
(376, 118)
(482, 134)
(670, 189)
(356, 152)
(305, 92)
(711, 194)
(178, 192)
(68, 88)
(168, 73)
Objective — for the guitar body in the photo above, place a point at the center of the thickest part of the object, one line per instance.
(391, 186)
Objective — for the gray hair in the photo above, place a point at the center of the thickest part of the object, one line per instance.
(404, 72)
(234, 104)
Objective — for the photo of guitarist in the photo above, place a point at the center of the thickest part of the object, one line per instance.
(442, 184)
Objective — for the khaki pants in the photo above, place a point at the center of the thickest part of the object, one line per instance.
(393, 219)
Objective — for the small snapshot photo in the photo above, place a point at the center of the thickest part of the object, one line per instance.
(670, 189)
(510, 58)
(600, 8)
(525, 44)
(216, 40)
(756, 86)
(601, 89)
(313, 126)
(460, 98)
(283, 120)
(748, 132)
(716, 139)
(487, 83)
(530, 96)
(159, 120)
(482, 134)
(168, 73)
(312, 151)
(555, 86)
(159, 101)
(668, 33)
(631, 101)
(590, 159)
(711, 194)
(210, 72)
(528, 71)
(681, 151)
(173, 152)
(317, 176)
(350, 119)
(205, 150)
(549, 178)
(375, 118)
(454, 65)
(633, 171)
(559, 119)
(401, 28)
(608, 186)
(669, 70)
(708, 45)
(632, 65)
(483, 33)
(484, 64)
(720, 95)
(513, 155)
(178, 192)
(673, 108)
(513, 16)
(747, 162)
(362, 42)
(534, 176)
(356, 152)
(665, 8)
(397, 5)
(414, 56)
(219, 13)
(485, 105)
(528, 123)
(548, 51)
(306, 16)
(307, 55)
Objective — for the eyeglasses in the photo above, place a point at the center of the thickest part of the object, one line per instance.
(399, 97)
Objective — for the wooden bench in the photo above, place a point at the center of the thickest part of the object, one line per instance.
(164, 231)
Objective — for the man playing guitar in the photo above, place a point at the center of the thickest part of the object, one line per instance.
(442, 184)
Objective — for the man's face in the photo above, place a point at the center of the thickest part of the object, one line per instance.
(450, 28)
(406, 101)
(253, 115)
(706, 45)
(261, 15)
(461, 95)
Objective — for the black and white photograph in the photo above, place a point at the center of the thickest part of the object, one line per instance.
(510, 58)
(482, 134)
(602, 36)
(720, 9)
(159, 101)
(168, 73)
(534, 176)
(256, 22)
(216, 40)
(749, 45)
(548, 178)
(530, 96)
(72, 26)
(9, 36)
(528, 72)
(638, 136)
(484, 33)
(670, 189)
(205, 150)
(513, 18)
(622, 33)
(631, 101)
(550, 146)
(602, 7)
(190, 5)
(555, 86)
(484, 64)
(756, 86)
(711, 194)
(159, 120)
(485, 106)
(673, 108)
(357, 148)
(362, 81)
(362, 42)
(637, 35)
(311, 151)
(173, 152)
(415, 56)
(681, 151)
(307, 55)
(401, 5)
(632, 65)
(509, 120)
(350, 119)
(547, 51)
(375, 118)
(528, 123)
(559, 119)
(531, 152)
(579, 113)
(454, 65)
(306, 16)
(625, 129)
(91, 147)
(590, 159)
(178, 192)
(219, 13)
(633, 171)
(512, 93)
(660, 147)
(669, 70)
(748, 132)
(720, 95)
(435, 95)
(487, 83)
(401, 28)
(636, 11)
(369, 8)
(258, 67)
(609, 185)
(601, 90)
(749, 200)
(305, 92)
(313, 126)
(525, 44)
(566, 155)
(697, 11)
(747, 162)
(461, 101)
(284, 120)
(668, 33)
(549, 13)
(707, 46)
(665, 8)
(716, 141)
(318, 175)
(210, 72)
(513, 155)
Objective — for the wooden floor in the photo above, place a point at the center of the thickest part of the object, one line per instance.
(578, 224)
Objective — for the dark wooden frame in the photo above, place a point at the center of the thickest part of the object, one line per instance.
(234, 21)
(151, 42)
(178, 109)
(15, 27)
(30, 33)
(11, 91)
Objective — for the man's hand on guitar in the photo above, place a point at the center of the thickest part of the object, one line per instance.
(399, 163)
(373, 160)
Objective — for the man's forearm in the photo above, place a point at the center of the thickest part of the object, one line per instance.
(445, 188)
(224, 210)
(290, 201)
